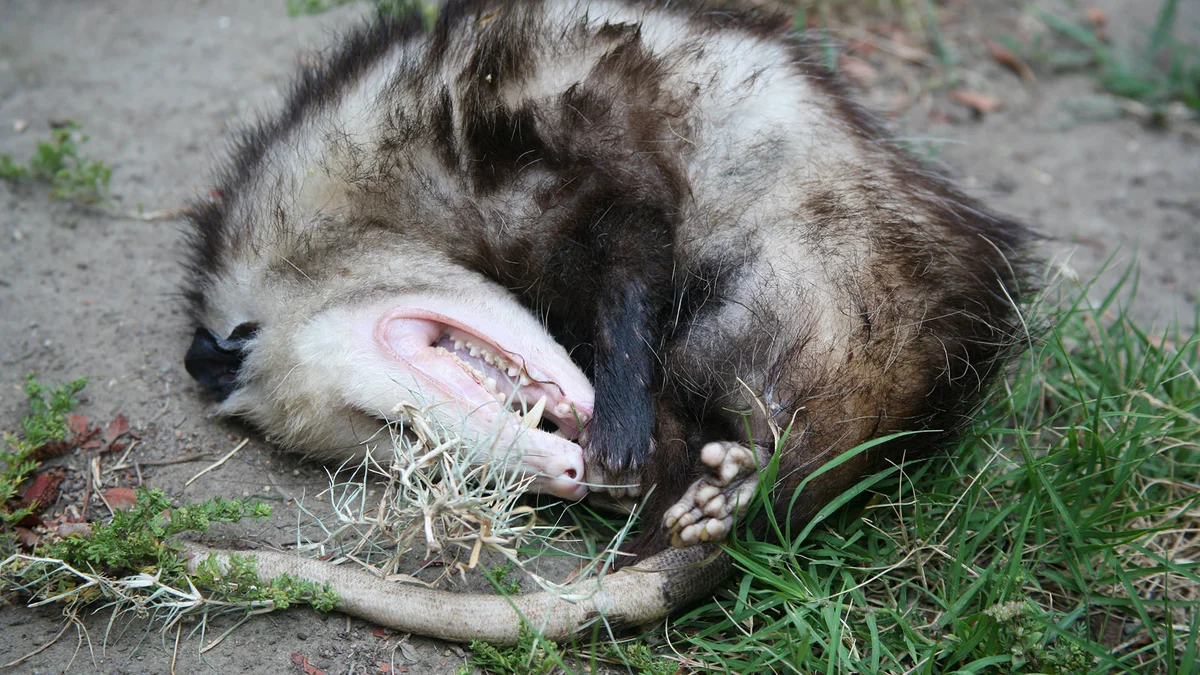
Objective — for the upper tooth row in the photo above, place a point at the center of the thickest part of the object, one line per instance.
(513, 370)
(562, 409)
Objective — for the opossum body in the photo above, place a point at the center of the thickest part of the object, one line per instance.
(619, 233)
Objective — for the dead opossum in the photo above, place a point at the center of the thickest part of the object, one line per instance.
(632, 237)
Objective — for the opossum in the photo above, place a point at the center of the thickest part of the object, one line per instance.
(637, 238)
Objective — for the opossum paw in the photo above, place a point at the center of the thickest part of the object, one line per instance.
(624, 486)
(707, 509)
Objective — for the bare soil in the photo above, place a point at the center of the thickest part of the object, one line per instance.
(159, 87)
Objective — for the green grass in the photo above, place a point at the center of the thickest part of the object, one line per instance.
(427, 8)
(1168, 70)
(45, 423)
(58, 162)
(1062, 536)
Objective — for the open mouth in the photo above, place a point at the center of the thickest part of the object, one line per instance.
(511, 383)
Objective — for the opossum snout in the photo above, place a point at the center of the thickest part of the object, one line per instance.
(559, 474)
(214, 362)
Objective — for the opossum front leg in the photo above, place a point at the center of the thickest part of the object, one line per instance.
(633, 294)
(722, 493)
(619, 439)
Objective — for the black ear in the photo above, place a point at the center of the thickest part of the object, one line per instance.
(214, 362)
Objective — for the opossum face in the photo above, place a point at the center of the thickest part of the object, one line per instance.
(319, 357)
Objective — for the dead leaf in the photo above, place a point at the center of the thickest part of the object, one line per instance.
(381, 632)
(77, 424)
(979, 102)
(302, 661)
(862, 73)
(117, 428)
(43, 489)
(122, 498)
(28, 538)
(903, 46)
(66, 529)
(1006, 58)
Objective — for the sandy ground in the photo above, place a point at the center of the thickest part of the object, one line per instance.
(158, 86)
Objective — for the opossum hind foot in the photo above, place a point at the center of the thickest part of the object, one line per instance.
(722, 493)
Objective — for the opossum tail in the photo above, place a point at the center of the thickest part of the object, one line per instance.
(633, 596)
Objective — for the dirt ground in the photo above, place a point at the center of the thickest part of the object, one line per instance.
(159, 86)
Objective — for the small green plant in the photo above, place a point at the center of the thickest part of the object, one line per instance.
(139, 538)
(58, 162)
(240, 581)
(46, 423)
(532, 655)
(1167, 71)
(427, 8)
(498, 576)
(132, 563)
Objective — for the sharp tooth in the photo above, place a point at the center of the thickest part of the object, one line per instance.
(489, 358)
(534, 416)
(583, 418)
(458, 344)
(513, 371)
(472, 349)
(501, 395)
(563, 410)
(490, 383)
(523, 382)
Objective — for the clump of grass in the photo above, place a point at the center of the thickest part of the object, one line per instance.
(1167, 71)
(58, 162)
(427, 8)
(534, 655)
(46, 423)
(1062, 536)
(132, 564)
(456, 493)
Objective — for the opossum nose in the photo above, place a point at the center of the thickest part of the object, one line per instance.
(563, 476)
(214, 362)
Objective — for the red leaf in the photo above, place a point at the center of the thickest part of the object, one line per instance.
(980, 103)
(117, 428)
(53, 449)
(28, 538)
(1009, 60)
(77, 424)
(863, 73)
(43, 489)
(31, 521)
(121, 498)
(381, 632)
(302, 661)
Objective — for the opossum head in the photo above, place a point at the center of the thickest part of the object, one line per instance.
(319, 356)
(317, 309)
